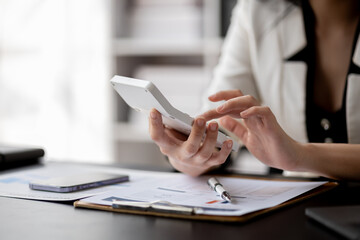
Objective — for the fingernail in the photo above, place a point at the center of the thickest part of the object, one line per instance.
(243, 113)
(220, 108)
(213, 126)
(229, 144)
(153, 115)
(200, 122)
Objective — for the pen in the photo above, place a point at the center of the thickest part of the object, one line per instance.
(218, 187)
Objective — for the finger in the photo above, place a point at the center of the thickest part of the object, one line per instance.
(192, 145)
(220, 157)
(214, 114)
(157, 130)
(235, 105)
(211, 114)
(231, 107)
(209, 143)
(225, 95)
(235, 127)
(260, 111)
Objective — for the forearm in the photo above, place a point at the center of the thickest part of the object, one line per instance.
(338, 161)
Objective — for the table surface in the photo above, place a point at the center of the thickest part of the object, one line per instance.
(29, 219)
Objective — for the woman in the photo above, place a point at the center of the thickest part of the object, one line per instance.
(298, 61)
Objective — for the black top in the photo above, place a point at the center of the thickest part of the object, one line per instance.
(322, 125)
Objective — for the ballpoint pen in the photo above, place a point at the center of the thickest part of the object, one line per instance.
(218, 187)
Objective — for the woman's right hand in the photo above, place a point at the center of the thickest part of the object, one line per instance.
(191, 154)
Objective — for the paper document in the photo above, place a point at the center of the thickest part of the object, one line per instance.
(148, 186)
(247, 195)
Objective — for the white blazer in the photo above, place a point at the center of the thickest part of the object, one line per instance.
(261, 36)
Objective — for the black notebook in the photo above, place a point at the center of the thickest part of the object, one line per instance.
(16, 156)
(344, 220)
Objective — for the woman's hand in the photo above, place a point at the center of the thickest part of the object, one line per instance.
(260, 131)
(191, 154)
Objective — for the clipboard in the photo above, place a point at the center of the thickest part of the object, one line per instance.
(152, 209)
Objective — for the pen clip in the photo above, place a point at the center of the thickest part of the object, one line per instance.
(155, 206)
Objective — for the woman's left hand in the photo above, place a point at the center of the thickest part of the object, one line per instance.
(259, 131)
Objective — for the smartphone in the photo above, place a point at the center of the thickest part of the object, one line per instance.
(143, 95)
(78, 182)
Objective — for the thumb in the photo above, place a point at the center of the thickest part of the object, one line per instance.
(235, 127)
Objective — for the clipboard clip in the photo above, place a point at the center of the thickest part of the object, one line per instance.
(155, 206)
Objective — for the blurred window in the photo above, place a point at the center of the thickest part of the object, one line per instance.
(54, 76)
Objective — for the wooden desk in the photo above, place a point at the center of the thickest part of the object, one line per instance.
(27, 219)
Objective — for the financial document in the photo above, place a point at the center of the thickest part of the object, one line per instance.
(248, 195)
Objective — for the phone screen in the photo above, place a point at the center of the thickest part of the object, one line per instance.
(78, 182)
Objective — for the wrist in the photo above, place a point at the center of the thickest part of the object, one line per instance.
(297, 156)
(305, 160)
